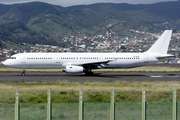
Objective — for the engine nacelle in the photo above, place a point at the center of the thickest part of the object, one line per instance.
(73, 69)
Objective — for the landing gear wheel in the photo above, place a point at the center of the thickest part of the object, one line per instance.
(23, 73)
(89, 73)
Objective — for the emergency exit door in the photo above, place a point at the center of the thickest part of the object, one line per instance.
(57, 59)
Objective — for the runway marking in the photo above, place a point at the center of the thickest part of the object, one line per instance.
(172, 76)
(155, 76)
(163, 76)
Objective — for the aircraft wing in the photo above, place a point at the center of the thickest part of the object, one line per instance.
(99, 62)
(94, 65)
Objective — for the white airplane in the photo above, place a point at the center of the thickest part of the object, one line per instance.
(85, 62)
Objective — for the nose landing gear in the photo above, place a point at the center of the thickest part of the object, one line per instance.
(23, 73)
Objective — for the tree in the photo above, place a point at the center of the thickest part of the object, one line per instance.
(11, 53)
(179, 55)
(0, 44)
(123, 47)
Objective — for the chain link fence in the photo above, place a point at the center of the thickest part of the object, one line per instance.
(91, 110)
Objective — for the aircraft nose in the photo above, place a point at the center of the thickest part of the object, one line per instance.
(5, 63)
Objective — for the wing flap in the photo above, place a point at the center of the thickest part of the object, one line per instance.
(96, 62)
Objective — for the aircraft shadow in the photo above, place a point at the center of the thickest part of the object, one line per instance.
(109, 75)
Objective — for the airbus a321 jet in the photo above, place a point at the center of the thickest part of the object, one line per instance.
(85, 62)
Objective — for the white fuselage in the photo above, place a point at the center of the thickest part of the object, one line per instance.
(85, 62)
(61, 60)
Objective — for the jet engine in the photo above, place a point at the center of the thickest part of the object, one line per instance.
(73, 69)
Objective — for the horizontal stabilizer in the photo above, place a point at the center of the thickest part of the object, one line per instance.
(165, 57)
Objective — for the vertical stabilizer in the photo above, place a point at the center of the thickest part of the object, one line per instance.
(162, 44)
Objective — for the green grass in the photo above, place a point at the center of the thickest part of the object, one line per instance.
(145, 69)
(68, 92)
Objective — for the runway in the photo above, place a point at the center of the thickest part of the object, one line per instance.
(99, 77)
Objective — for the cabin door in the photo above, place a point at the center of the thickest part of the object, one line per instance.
(23, 59)
(146, 58)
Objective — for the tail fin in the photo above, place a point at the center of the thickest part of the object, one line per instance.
(162, 44)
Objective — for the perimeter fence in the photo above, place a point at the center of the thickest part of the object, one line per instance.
(80, 110)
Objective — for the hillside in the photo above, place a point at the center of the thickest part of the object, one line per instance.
(44, 23)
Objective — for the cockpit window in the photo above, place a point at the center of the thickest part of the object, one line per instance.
(12, 58)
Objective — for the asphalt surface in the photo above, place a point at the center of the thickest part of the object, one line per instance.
(165, 65)
(100, 77)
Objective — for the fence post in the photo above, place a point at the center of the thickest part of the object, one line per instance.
(143, 114)
(81, 104)
(174, 104)
(49, 104)
(112, 105)
(17, 114)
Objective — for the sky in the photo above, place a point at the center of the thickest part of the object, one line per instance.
(66, 3)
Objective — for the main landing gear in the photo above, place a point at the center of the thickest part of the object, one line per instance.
(89, 72)
(23, 73)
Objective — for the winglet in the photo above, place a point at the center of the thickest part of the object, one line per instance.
(162, 44)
